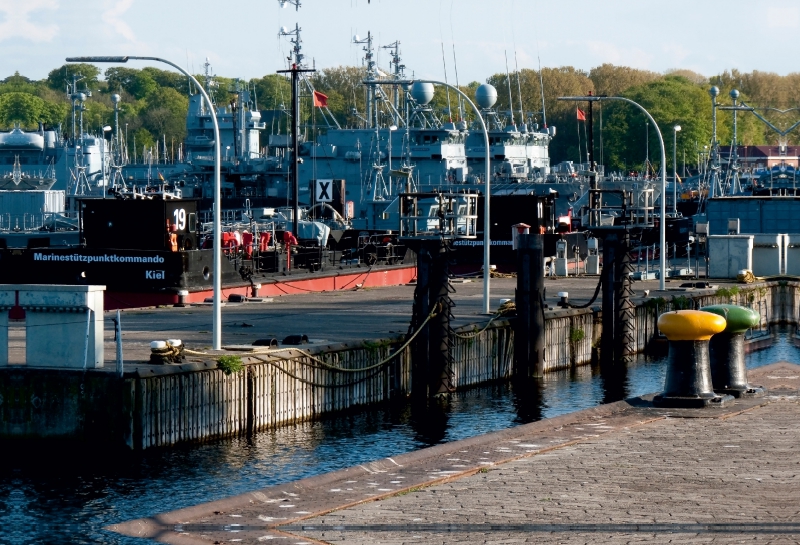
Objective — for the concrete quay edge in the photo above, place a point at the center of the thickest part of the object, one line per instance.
(204, 523)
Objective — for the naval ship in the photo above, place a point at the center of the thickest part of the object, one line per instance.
(401, 144)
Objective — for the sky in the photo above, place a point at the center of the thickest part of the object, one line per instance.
(240, 37)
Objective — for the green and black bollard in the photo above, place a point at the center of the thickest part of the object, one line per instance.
(688, 381)
(726, 351)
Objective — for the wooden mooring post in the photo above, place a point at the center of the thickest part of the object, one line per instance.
(617, 343)
(529, 324)
(431, 370)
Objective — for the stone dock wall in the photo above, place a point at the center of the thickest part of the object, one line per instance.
(192, 402)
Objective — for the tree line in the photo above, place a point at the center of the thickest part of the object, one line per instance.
(154, 104)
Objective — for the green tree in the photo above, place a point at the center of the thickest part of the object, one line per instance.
(59, 78)
(140, 140)
(168, 78)
(137, 83)
(18, 84)
(164, 114)
(345, 90)
(612, 80)
(28, 110)
(672, 100)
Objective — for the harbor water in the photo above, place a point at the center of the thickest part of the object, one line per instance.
(63, 495)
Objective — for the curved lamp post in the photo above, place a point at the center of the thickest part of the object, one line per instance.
(217, 313)
(662, 224)
(675, 130)
(487, 242)
(487, 273)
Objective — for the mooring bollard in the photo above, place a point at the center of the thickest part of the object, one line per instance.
(726, 351)
(688, 380)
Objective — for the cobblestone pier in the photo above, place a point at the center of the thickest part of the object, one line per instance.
(620, 473)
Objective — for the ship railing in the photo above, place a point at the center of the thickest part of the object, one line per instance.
(438, 214)
(28, 221)
(242, 215)
(627, 208)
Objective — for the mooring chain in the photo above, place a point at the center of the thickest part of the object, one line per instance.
(506, 308)
(323, 364)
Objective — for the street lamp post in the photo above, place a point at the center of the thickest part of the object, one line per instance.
(487, 273)
(217, 310)
(675, 130)
(662, 224)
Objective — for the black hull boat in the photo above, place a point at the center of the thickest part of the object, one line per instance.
(150, 251)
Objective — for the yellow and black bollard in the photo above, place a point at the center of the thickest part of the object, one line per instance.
(726, 351)
(688, 381)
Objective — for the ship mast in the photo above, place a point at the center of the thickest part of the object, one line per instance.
(296, 71)
(79, 169)
(297, 59)
(371, 76)
(399, 74)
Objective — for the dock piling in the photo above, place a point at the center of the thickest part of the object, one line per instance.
(608, 339)
(529, 324)
(431, 354)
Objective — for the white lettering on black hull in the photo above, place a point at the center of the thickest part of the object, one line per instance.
(105, 258)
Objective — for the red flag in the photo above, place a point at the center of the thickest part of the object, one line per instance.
(581, 115)
(320, 100)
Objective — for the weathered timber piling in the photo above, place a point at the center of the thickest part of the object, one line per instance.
(432, 361)
(625, 310)
(607, 277)
(529, 324)
(619, 312)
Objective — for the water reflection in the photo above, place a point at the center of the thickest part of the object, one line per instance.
(614, 380)
(430, 420)
(527, 399)
(51, 494)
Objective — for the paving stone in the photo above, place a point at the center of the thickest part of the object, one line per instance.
(630, 474)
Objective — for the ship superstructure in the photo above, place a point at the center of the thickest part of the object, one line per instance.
(400, 143)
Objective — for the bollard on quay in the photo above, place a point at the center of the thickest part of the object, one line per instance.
(726, 351)
(688, 381)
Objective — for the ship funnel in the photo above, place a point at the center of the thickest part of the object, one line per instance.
(422, 92)
(486, 96)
